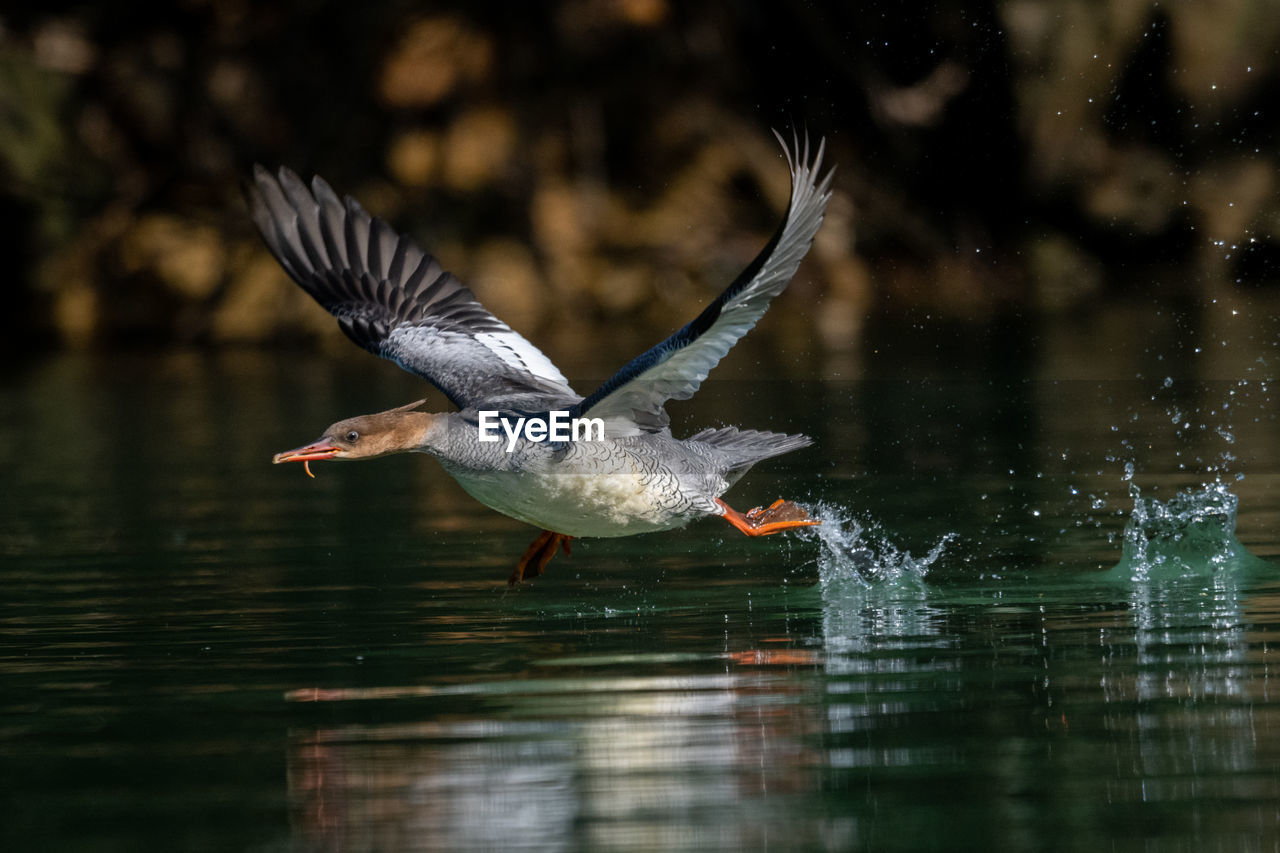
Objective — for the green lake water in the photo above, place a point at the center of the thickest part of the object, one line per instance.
(199, 651)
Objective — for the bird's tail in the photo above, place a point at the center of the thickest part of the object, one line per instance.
(745, 447)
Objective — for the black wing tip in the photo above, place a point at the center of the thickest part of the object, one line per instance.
(325, 196)
(285, 179)
(264, 175)
(263, 183)
(256, 183)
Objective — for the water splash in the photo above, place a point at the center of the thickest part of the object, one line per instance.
(852, 556)
(1192, 534)
(1203, 430)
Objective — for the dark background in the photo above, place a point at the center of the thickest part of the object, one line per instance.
(593, 165)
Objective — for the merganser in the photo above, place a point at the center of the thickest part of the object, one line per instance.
(396, 301)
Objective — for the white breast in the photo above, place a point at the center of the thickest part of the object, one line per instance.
(579, 504)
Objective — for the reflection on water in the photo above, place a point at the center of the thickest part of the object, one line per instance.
(874, 597)
(1182, 681)
(640, 763)
(200, 651)
(1189, 640)
(1187, 572)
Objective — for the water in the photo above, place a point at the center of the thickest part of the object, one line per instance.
(1012, 632)
(1190, 535)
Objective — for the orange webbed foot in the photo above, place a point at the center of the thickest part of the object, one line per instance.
(778, 516)
(535, 559)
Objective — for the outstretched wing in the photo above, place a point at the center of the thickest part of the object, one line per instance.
(633, 399)
(394, 299)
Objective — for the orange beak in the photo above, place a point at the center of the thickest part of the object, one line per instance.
(317, 451)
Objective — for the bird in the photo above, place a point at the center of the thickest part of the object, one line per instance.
(623, 472)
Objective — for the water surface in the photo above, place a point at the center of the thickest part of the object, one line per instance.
(200, 651)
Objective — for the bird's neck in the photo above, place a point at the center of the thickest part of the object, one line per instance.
(416, 430)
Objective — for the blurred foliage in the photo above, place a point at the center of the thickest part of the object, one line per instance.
(611, 160)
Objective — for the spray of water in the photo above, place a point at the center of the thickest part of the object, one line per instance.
(851, 555)
(1189, 535)
(1193, 533)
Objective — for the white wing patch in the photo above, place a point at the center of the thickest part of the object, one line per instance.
(517, 352)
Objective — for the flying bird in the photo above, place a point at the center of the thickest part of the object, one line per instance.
(522, 441)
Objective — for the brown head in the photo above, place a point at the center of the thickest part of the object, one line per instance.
(366, 437)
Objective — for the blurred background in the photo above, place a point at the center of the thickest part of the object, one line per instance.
(590, 165)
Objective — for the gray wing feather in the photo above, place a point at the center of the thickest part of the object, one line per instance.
(633, 399)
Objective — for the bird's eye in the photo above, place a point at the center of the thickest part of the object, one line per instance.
(352, 436)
